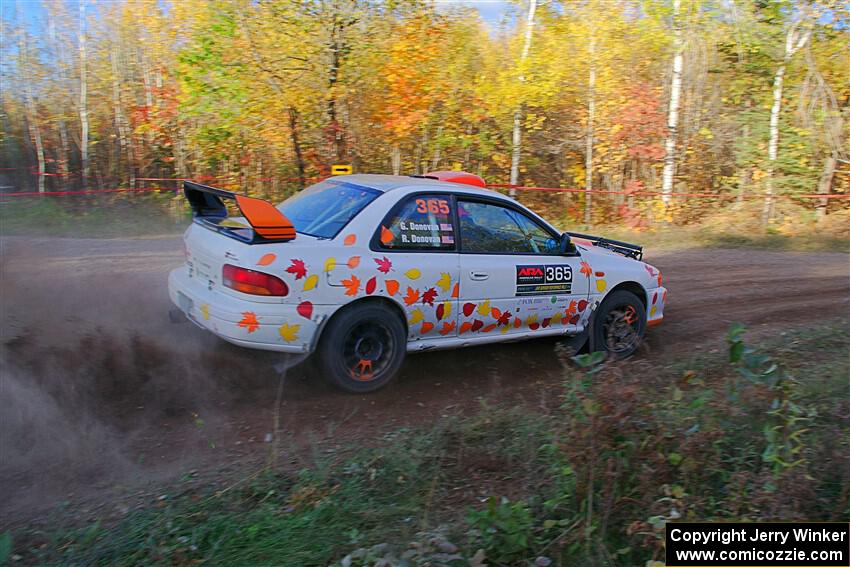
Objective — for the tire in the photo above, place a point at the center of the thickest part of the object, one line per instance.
(362, 348)
(619, 324)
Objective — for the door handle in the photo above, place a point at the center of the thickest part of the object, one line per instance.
(479, 276)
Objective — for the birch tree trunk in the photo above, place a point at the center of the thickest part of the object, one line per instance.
(825, 185)
(396, 159)
(591, 111)
(794, 40)
(32, 113)
(673, 110)
(516, 139)
(121, 124)
(84, 115)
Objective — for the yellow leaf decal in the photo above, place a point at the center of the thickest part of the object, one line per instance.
(652, 311)
(311, 282)
(445, 281)
(413, 273)
(416, 316)
(532, 319)
(557, 316)
(330, 264)
(205, 312)
(484, 308)
(447, 309)
(601, 285)
(289, 332)
(266, 259)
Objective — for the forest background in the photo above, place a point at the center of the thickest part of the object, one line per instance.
(640, 111)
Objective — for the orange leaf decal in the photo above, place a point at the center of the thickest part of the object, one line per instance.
(465, 327)
(392, 287)
(249, 321)
(426, 326)
(488, 328)
(447, 328)
(352, 285)
(266, 259)
(353, 262)
(350, 240)
(586, 269)
(412, 296)
(456, 290)
(386, 235)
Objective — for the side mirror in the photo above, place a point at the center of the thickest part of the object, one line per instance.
(566, 246)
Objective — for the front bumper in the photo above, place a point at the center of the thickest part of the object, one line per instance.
(655, 309)
(253, 324)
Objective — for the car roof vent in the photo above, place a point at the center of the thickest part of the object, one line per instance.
(455, 177)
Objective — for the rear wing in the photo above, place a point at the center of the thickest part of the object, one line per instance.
(628, 250)
(268, 223)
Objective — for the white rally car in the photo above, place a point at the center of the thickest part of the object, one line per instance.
(364, 268)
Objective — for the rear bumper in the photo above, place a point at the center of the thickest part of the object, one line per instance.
(252, 324)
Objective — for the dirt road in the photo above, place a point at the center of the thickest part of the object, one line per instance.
(101, 393)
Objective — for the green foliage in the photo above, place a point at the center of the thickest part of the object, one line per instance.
(591, 480)
(505, 529)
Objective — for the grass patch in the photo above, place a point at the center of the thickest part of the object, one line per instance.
(755, 434)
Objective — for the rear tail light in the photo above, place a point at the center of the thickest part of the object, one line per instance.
(250, 281)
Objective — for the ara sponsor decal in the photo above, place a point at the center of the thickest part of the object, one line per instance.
(543, 279)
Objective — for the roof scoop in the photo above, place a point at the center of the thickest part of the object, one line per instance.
(456, 177)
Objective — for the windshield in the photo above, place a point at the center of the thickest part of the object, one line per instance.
(325, 208)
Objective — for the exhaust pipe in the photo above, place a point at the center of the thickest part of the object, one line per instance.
(177, 316)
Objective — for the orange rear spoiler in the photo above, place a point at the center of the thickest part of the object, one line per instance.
(268, 223)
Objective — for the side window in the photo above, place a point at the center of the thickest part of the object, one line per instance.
(422, 222)
(494, 229)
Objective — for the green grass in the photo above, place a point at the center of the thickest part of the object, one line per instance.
(591, 478)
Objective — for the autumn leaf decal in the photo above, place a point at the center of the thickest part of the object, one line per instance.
(427, 326)
(353, 262)
(330, 264)
(392, 287)
(445, 281)
(289, 332)
(311, 282)
(350, 240)
(266, 259)
(484, 308)
(249, 321)
(504, 318)
(586, 269)
(371, 285)
(412, 296)
(297, 268)
(386, 235)
(447, 328)
(416, 316)
(305, 309)
(384, 265)
(429, 295)
(456, 290)
(413, 273)
(352, 285)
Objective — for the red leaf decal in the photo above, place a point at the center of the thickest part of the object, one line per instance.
(371, 285)
(581, 305)
(504, 319)
(384, 265)
(429, 295)
(305, 309)
(546, 322)
(298, 268)
(574, 319)
(426, 326)
(468, 308)
(477, 324)
(441, 308)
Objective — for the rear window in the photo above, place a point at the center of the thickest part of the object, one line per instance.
(323, 209)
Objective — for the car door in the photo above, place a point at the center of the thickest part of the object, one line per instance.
(416, 249)
(513, 278)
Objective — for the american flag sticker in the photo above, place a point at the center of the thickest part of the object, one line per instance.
(447, 239)
(446, 227)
